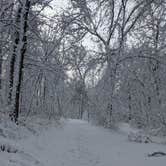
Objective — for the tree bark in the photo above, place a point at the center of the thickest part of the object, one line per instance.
(21, 52)
(13, 58)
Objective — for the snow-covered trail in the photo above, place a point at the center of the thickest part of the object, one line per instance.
(78, 143)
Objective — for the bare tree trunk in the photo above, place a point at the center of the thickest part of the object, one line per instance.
(21, 53)
(129, 106)
(60, 111)
(1, 61)
(82, 106)
(13, 57)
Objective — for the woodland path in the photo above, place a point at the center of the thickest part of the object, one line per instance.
(78, 143)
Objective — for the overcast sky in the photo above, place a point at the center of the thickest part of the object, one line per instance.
(57, 6)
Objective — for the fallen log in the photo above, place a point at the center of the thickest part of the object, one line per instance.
(157, 154)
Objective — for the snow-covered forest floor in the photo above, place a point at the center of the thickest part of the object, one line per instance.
(72, 143)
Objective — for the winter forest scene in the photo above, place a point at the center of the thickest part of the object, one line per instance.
(82, 82)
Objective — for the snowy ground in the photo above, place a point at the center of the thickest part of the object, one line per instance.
(78, 143)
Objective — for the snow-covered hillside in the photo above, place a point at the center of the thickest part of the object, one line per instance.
(77, 143)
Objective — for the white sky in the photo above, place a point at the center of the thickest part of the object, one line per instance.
(57, 6)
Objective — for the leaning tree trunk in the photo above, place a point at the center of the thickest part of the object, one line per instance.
(18, 68)
(14, 54)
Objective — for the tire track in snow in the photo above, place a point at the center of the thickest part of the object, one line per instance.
(85, 157)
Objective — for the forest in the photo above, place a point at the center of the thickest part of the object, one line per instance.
(82, 82)
(99, 60)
